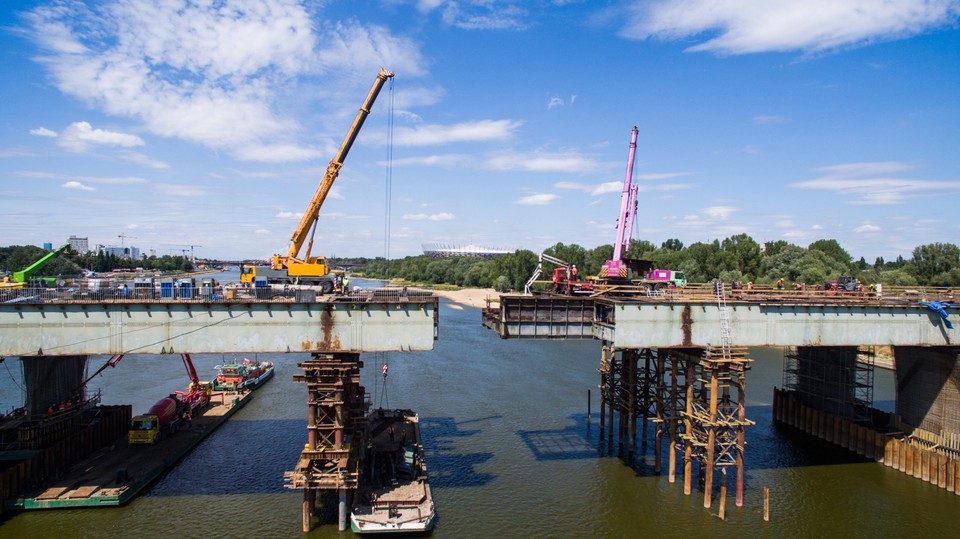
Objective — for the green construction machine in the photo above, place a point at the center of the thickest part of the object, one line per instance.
(21, 278)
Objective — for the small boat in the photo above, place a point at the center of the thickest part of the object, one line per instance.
(242, 375)
(394, 495)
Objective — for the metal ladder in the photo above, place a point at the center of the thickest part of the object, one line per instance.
(726, 340)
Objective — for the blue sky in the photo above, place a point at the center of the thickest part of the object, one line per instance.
(210, 123)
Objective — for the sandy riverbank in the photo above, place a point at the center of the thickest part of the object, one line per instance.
(470, 297)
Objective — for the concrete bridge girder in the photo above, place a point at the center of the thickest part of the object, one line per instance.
(242, 327)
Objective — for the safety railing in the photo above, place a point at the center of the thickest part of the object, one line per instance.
(219, 294)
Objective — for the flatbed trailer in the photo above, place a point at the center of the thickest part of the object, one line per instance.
(117, 473)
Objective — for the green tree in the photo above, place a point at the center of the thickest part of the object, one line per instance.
(672, 244)
(746, 254)
(832, 249)
(933, 259)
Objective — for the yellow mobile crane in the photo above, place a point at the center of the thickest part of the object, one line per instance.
(313, 270)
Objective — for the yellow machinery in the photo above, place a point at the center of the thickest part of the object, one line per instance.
(290, 268)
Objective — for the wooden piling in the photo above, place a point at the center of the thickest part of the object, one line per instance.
(588, 406)
(766, 504)
(723, 501)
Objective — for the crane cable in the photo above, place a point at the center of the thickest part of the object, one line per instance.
(384, 364)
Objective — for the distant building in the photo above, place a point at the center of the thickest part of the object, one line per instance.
(129, 253)
(437, 250)
(79, 245)
(48, 246)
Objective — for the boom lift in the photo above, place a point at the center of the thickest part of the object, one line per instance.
(291, 268)
(565, 280)
(19, 279)
(620, 270)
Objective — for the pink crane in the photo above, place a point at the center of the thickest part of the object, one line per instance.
(616, 268)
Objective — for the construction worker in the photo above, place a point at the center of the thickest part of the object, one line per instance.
(780, 284)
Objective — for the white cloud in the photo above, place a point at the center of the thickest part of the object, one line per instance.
(555, 101)
(79, 136)
(213, 73)
(426, 217)
(434, 134)
(478, 14)
(866, 228)
(750, 26)
(718, 213)
(290, 215)
(870, 183)
(141, 159)
(570, 162)
(43, 132)
(536, 200)
(180, 190)
(449, 160)
(77, 185)
(107, 180)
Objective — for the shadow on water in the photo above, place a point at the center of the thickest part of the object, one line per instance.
(571, 442)
(448, 465)
(769, 445)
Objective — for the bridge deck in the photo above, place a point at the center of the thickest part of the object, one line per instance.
(758, 319)
(379, 320)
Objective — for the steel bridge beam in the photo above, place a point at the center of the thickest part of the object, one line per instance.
(642, 324)
(208, 327)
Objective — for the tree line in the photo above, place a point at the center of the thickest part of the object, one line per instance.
(737, 258)
(19, 257)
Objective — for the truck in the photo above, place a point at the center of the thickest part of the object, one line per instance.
(620, 270)
(314, 270)
(161, 420)
(844, 283)
(165, 416)
(566, 279)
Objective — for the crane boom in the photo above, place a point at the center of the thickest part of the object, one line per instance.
(309, 218)
(616, 268)
(625, 219)
(24, 275)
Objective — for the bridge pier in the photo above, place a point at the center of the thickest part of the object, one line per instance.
(833, 379)
(695, 398)
(828, 398)
(336, 407)
(51, 381)
(928, 388)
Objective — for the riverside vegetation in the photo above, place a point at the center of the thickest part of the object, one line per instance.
(737, 258)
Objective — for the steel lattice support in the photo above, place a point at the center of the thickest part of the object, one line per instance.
(337, 407)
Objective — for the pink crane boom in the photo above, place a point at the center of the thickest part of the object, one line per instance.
(628, 207)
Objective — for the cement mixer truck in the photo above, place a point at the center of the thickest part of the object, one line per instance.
(164, 417)
(159, 421)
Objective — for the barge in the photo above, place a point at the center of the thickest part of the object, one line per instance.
(117, 473)
(394, 495)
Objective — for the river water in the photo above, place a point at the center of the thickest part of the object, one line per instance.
(510, 452)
